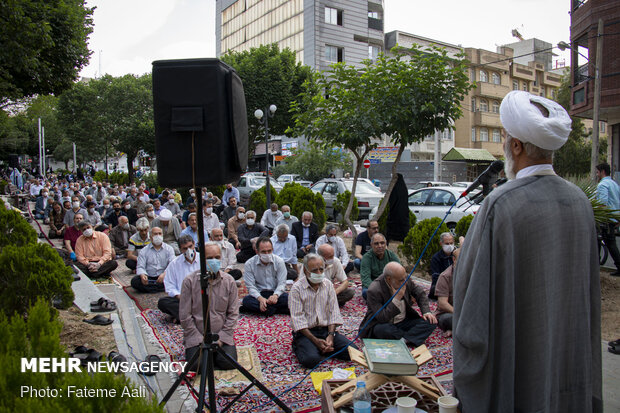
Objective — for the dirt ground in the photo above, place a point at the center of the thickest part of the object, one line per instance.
(75, 332)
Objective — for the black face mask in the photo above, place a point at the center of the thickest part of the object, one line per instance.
(117, 210)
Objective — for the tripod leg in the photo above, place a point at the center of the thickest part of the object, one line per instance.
(182, 377)
(253, 380)
(207, 375)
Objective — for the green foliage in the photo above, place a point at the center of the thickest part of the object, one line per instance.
(44, 46)
(30, 272)
(382, 221)
(258, 200)
(301, 199)
(218, 190)
(39, 336)
(314, 162)
(14, 230)
(270, 76)
(120, 178)
(64, 153)
(151, 182)
(320, 217)
(340, 206)
(3, 185)
(602, 213)
(463, 225)
(418, 237)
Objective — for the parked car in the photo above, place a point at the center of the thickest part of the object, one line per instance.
(367, 194)
(434, 202)
(424, 184)
(250, 183)
(286, 178)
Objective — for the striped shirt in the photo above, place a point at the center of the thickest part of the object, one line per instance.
(313, 308)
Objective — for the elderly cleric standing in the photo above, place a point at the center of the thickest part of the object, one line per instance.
(527, 304)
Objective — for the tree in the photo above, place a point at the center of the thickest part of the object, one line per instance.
(269, 76)
(43, 45)
(64, 153)
(314, 162)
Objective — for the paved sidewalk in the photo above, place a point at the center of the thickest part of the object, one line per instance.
(611, 380)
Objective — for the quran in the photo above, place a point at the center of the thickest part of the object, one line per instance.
(390, 357)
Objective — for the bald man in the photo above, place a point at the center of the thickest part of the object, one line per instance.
(334, 272)
(120, 235)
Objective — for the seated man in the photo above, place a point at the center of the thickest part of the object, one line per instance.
(210, 219)
(230, 210)
(170, 227)
(173, 206)
(43, 205)
(149, 213)
(152, 263)
(265, 279)
(120, 235)
(112, 218)
(94, 252)
(306, 233)
(177, 270)
(230, 192)
(362, 242)
(157, 208)
(57, 225)
(191, 209)
(229, 256)
(270, 217)
(93, 217)
(285, 247)
(315, 315)
(130, 211)
(375, 260)
(441, 260)
(443, 291)
(334, 272)
(223, 311)
(340, 250)
(75, 209)
(287, 218)
(137, 241)
(71, 236)
(246, 235)
(233, 225)
(398, 319)
(192, 228)
(105, 208)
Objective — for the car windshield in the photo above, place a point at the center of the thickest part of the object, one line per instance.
(258, 181)
(363, 187)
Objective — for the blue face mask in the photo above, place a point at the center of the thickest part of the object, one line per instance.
(213, 265)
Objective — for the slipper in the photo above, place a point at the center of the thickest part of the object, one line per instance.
(100, 301)
(98, 320)
(76, 277)
(90, 355)
(614, 349)
(105, 306)
(152, 358)
(615, 343)
(78, 350)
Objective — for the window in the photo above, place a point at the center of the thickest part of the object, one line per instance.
(515, 85)
(472, 75)
(473, 104)
(542, 92)
(473, 134)
(554, 94)
(419, 198)
(334, 54)
(526, 87)
(319, 187)
(373, 52)
(373, 14)
(484, 77)
(447, 135)
(441, 198)
(602, 126)
(331, 188)
(484, 135)
(496, 79)
(495, 106)
(333, 16)
(496, 135)
(241, 182)
(484, 105)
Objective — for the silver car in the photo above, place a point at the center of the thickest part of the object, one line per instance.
(250, 183)
(286, 178)
(368, 195)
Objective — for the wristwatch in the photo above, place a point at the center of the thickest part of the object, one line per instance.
(331, 333)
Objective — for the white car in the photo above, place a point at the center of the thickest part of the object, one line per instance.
(434, 202)
(286, 178)
(424, 184)
(250, 183)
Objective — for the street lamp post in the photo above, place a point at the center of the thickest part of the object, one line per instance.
(263, 118)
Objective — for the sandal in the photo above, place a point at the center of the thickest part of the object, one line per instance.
(98, 320)
(103, 307)
(100, 301)
(614, 349)
(90, 355)
(615, 343)
(151, 359)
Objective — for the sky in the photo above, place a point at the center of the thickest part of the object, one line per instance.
(130, 34)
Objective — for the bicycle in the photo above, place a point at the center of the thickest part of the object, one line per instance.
(603, 251)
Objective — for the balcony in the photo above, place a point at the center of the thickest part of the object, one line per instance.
(489, 119)
(491, 90)
(552, 80)
(376, 24)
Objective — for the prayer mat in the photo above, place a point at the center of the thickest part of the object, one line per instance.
(248, 358)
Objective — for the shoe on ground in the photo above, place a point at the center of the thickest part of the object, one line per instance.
(615, 273)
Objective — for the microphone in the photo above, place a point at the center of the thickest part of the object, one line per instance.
(485, 178)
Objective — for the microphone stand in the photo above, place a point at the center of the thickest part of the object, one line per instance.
(209, 345)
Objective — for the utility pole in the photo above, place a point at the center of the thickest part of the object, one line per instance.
(597, 100)
(43, 149)
(437, 158)
(74, 158)
(40, 156)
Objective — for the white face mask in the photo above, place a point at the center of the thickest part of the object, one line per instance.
(266, 258)
(448, 248)
(316, 278)
(305, 225)
(240, 215)
(250, 222)
(88, 232)
(171, 201)
(158, 239)
(126, 226)
(150, 214)
(331, 238)
(127, 207)
(329, 262)
(190, 254)
(106, 206)
(209, 210)
(75, 205)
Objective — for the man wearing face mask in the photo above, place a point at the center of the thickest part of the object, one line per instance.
(75, 209)
(287, 218)
(177, 270)
(315, 315)
(130, 212)
(137, 241)
(229, 256)
(210, 219)
(441, 260)
(265, 279)
(334, 272)
(120, 235)
(247, 234)
(306, 233)
(152, 263)
(93, 217)
(270, 217)
(223, 310)
(43, 206)
(71, 236)
(105, 208)
(233, 225)
(112, 218)
(173, 206)
(340, 250)
(397, 319)
(149, 213)
(170, 227)
(94, 252)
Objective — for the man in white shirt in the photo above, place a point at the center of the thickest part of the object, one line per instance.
(285, 247)
(340, 250)
(177, 270)
(270, 217)
(228, 254)
(334, 272)
(210, 219)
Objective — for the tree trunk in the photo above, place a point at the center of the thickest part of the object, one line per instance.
(66, 165)
(386, 198)
(358, 170)
(130, 168)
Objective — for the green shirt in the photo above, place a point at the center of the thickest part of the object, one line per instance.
(372, 267)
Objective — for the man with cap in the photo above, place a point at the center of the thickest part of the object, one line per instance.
(527, 303)
(171, 228)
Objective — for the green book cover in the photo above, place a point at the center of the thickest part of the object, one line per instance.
(389, 356)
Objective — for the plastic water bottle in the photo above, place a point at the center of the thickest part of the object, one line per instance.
(361, 398)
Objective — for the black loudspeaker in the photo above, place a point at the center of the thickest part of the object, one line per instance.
(13, 161)
(202, 98)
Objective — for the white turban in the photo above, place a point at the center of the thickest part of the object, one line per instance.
(165, 215)
(524, 121)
